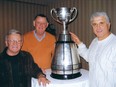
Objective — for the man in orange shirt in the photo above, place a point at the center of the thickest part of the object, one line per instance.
(40, 43)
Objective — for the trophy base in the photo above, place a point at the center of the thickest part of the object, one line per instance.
(65, 76)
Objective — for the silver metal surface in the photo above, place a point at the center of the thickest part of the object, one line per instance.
(66, 59)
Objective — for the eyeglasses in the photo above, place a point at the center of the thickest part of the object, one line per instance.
(15, 41)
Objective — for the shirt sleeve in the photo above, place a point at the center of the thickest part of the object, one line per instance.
(83, 51)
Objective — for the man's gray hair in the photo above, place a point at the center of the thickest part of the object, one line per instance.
(13, 31)
(96, 14)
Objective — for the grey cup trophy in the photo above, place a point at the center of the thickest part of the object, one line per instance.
(66, 60)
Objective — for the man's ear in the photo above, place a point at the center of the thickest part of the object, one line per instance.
(109, 25)
(6, 43)
(47, 25)
(33, 23)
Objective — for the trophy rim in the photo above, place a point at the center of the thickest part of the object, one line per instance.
(62, 8)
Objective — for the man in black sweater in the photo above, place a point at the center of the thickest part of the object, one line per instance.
(18, 67)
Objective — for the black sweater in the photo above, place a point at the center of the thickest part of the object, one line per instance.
(17, 71)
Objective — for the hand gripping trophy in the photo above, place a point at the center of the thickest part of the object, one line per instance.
(66, 60)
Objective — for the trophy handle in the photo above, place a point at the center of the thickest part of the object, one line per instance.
(75, 14)
(54, 11)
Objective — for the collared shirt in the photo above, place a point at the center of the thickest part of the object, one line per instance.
(39, 39)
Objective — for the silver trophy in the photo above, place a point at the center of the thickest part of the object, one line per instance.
(66, 60)
(64, 16)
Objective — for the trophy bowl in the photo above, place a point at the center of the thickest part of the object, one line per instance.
(64, 14)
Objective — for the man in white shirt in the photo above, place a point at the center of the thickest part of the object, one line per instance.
(101, 53)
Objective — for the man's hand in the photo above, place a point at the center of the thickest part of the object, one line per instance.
(75, 38)
(43, 80)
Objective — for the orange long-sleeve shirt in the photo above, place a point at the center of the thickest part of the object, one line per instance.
(42, 51)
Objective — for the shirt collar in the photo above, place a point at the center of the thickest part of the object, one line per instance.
(39, 39)
(106, 39)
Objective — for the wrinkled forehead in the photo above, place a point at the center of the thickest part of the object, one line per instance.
(99, 19)
(42, 19)
(15, 36)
